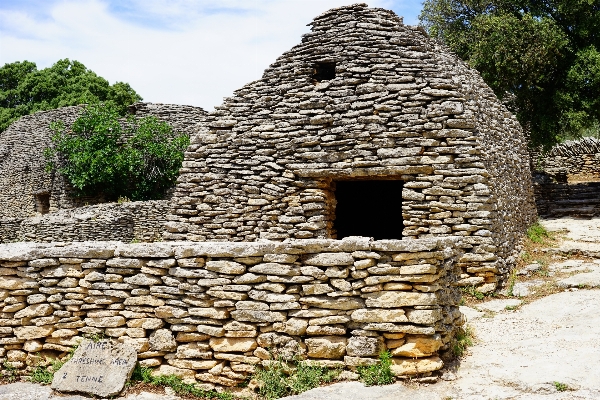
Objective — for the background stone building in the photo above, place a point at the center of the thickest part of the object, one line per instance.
(28, 192)
(366, 128)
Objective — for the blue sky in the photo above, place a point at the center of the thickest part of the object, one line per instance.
(171, 51)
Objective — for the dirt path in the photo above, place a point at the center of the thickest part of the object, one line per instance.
(528, 346)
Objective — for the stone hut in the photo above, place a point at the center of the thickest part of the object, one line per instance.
(366, 128)
(26, 188)
(567, 179)
(38, 206)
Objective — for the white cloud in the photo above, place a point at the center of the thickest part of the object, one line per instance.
(176, 51)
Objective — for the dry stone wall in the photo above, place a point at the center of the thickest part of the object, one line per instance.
(264, 164)
(22, 162)
(141, 221)
(573, 161)
(213, 312)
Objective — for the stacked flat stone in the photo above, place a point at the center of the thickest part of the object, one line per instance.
(22, 162)
(213, 312)
(141, 221)
(576, 160)
(263, 165)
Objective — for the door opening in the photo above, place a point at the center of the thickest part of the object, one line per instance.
(369, 208)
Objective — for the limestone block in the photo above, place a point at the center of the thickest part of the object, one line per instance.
(329, 259)
(339, 303)
(258, 316)
(296, 326)
(162, 340)
(249, 278)
(32, 346)
(424, 317)
(275, 269)
(192, 364)
(209, 312)
(16, 355)
(409, 366)
(36, 310)
(143, 279)
(362, 346)
(194, 350)
(214, 331)
(143, 301)
(227, 344)
(36, 298)
(226, 267)
(419, 346)
(33, 332)
(329, 320)
(187, 375)
(105, 322)
(170, 312)
(14, 283)
(316, 289)
(395, 299)
(378, 315)
(331, 347)
(325, 330)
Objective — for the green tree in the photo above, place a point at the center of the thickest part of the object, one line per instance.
(102, 154)
(541, 57)
(24, 89)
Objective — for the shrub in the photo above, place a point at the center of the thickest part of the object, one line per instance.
(463, 339)
(144, 374)
(281, 379)
(378, 374)
(137, 160)
(536, 233)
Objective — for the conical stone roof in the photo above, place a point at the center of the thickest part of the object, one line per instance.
(361, 97)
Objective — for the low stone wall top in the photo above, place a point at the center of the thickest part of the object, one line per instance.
(213, 312)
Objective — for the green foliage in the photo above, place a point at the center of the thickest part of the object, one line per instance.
(24, 89)
(536, 233)
(473, 292)
(41, 375)
(281, 379)
(137, 160)
(10, 373)
(463, 339)
(561, 387)
(541, 58)
(144, 374)
(378, 374)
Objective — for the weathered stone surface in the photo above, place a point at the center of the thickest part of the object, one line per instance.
(340, 303)
(162, 340)
(407, 366)
(395, 299)
(36, 310)
(332, 347)
(416, 346)
(329, 259)
(33, 332)
(361, 346)
(98, 368)
(378, 315)
(233, 344)
(226, 267)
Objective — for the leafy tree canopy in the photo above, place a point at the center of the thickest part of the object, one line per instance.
(138, 158)
(24, 89)
(541, 57)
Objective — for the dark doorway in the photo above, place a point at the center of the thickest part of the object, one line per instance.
(42, 203)
(369, 208)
